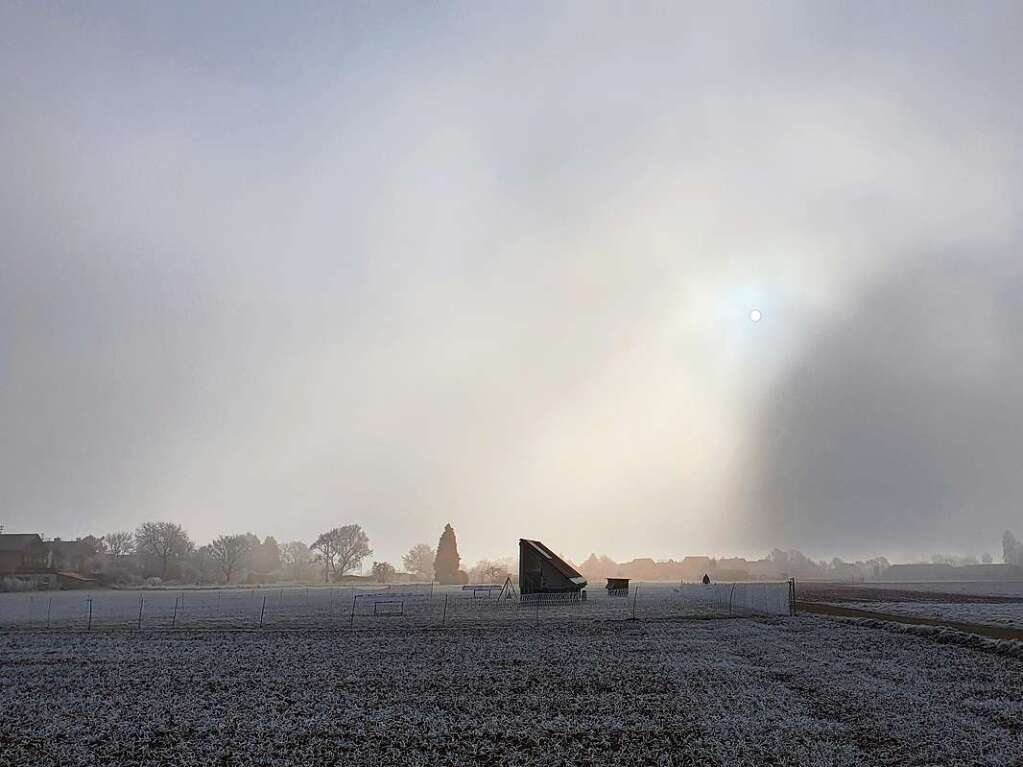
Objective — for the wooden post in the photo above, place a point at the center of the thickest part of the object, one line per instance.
(444, 615)
(263, 610)
(90, 615)
(141, 602)
(49, 608)
(174, 619)
(634, 598)
(219, 595)
(351, 622)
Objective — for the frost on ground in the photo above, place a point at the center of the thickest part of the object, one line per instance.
(794, 691)
(935, 591)
(1008, 647)
(1007, 615)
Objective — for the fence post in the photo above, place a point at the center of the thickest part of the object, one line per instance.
(355, 596)
(792, 596)
(174, 618)
(49, 608)
(141, 602)
(90, 615)
(219, 595)
(444, 615)
(262, 610)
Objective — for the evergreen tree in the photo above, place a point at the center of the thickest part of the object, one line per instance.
(445, 566)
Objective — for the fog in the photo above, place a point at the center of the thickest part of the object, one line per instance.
(279, 269)
(902, 418)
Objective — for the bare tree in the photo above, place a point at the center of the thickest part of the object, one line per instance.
(295, 560)
(230, 552)
(120, 543)
(419, 561)
(490, 571)
(206, 567)
(383, 572)
(165, 543)
(342, 549)
(1011, 549)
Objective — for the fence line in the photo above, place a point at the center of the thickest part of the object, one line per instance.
(326, 607)
(766, 598)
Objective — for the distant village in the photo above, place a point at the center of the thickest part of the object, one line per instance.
(781, 564)
(159, 553)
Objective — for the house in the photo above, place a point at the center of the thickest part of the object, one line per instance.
(21, 553)
(541, 571)
(694, 568)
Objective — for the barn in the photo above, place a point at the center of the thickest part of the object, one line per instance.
(541, 571)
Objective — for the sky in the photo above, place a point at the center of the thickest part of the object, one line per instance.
(277, 268)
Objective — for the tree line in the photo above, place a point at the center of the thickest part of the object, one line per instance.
(157, 552)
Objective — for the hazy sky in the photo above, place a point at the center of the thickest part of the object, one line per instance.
(278, 267)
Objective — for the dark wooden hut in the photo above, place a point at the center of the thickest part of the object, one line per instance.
(541, 571)
(618, 587)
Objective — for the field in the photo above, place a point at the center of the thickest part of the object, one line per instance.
(985, 604)
(967, 591)
(675, 687)
(1008, 615)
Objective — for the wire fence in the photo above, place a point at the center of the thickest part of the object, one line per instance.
(423, 605)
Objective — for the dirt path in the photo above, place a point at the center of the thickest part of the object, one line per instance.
(995, 632)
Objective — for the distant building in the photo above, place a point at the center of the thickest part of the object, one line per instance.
(944, 572)
(541, 571)
(694, 568)
(22, 553)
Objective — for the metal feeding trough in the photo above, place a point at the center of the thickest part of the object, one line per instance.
(618, 587)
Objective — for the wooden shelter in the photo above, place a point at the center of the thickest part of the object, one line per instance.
(617, 587)
(541, 571)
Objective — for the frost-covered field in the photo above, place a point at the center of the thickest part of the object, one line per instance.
(968, 588)
(1008, 615)
(660, 691)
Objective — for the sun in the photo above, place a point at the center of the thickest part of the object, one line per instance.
(755, 315)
